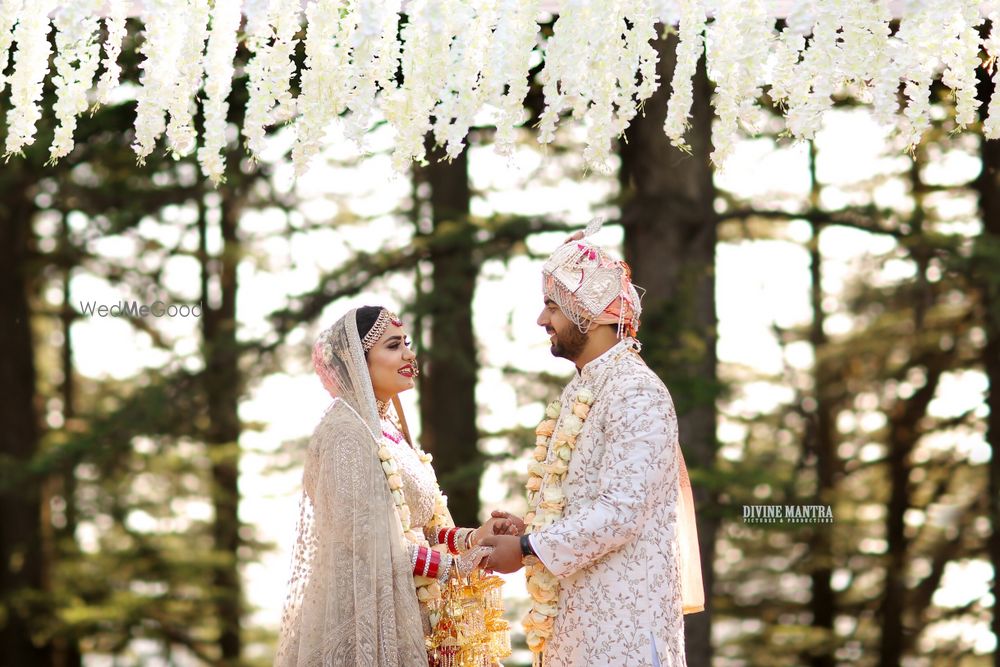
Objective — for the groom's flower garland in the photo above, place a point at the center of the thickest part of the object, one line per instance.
(546, 500)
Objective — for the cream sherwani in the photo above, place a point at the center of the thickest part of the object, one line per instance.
(615, 549)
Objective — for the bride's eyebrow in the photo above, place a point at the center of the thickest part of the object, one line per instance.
(392, 338)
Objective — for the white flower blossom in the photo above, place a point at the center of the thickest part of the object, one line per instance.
(816, 76)
(462, 94)
(181, 134)
(75, 64)
(690, 47)
(324, 78)
(163, 24)
(920, 34)
(9, 11)
(865, 58)
(738, 48)
(270, 71)
(991, 126)
(375, 54)
(506, 85)
(427, 41)
(31, 62)
(591, 65)
(219, 56)
(960, 54)
(114, 23)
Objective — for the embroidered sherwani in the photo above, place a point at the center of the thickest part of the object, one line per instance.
(615, 548)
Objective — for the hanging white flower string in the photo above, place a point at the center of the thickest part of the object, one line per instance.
(375, 58)
(738, 49)
(159, 71)
(270, 70)
(991, 126)
(961, 59)
(181, 133)
(460, 58)
(690, 48)
(463, 91)
(324, 79)
(427, 40)
(920, 33)
(637, 54)
(9, 12)
(510, 53)
(114, 25)
(221, 51)
(75, 64)
(815, 77)
(31, 63)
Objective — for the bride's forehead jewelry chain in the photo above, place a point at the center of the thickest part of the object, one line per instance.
(385, 318)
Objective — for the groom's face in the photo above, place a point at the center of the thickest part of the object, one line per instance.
(566, 339)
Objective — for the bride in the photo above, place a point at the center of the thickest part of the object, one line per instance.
(376, 547)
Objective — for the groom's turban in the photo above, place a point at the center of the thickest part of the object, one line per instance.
(591, 287)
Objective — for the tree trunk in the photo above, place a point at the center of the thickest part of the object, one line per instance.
(449, 365)
(988, 186)
(66, 648)
(823, 436)
(670, 237)
(222, 385)
(21, 563)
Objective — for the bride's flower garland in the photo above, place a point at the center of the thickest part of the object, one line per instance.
(428, 589)
(546, 500)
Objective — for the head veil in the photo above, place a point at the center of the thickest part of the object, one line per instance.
(351, 599)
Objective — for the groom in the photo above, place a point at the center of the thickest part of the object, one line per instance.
(609, 544)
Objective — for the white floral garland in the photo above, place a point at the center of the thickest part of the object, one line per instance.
(159, 72)
(738, 47)
(428, 589)
(114, 23)
(991, 126)
(325, 79)
(547, 501)
(460, 58)
(31, 62)
(9, 12)
(375, 57)
(269, 71)
(506, 87)
(193, 31)
(221, 50)
(75, 64)
(690, 47)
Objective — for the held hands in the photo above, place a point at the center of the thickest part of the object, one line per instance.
(506, 556)
(507, 523)
(500, 523)
(474, 558)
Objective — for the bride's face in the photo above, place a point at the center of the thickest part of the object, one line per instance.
(392, 364)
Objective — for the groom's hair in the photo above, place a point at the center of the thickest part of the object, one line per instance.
(366, 317)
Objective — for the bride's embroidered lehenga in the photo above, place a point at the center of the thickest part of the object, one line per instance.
(352, 598)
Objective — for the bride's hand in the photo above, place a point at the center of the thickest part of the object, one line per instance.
(473, 559)
(499, 524)
(507, 523)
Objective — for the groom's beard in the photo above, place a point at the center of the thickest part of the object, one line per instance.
(569, 343)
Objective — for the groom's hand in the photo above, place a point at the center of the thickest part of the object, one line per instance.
(506, 556)
(507, 523)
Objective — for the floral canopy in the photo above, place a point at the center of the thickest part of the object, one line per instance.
(439, 66)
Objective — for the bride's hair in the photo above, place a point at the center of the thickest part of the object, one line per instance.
(366, 316)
